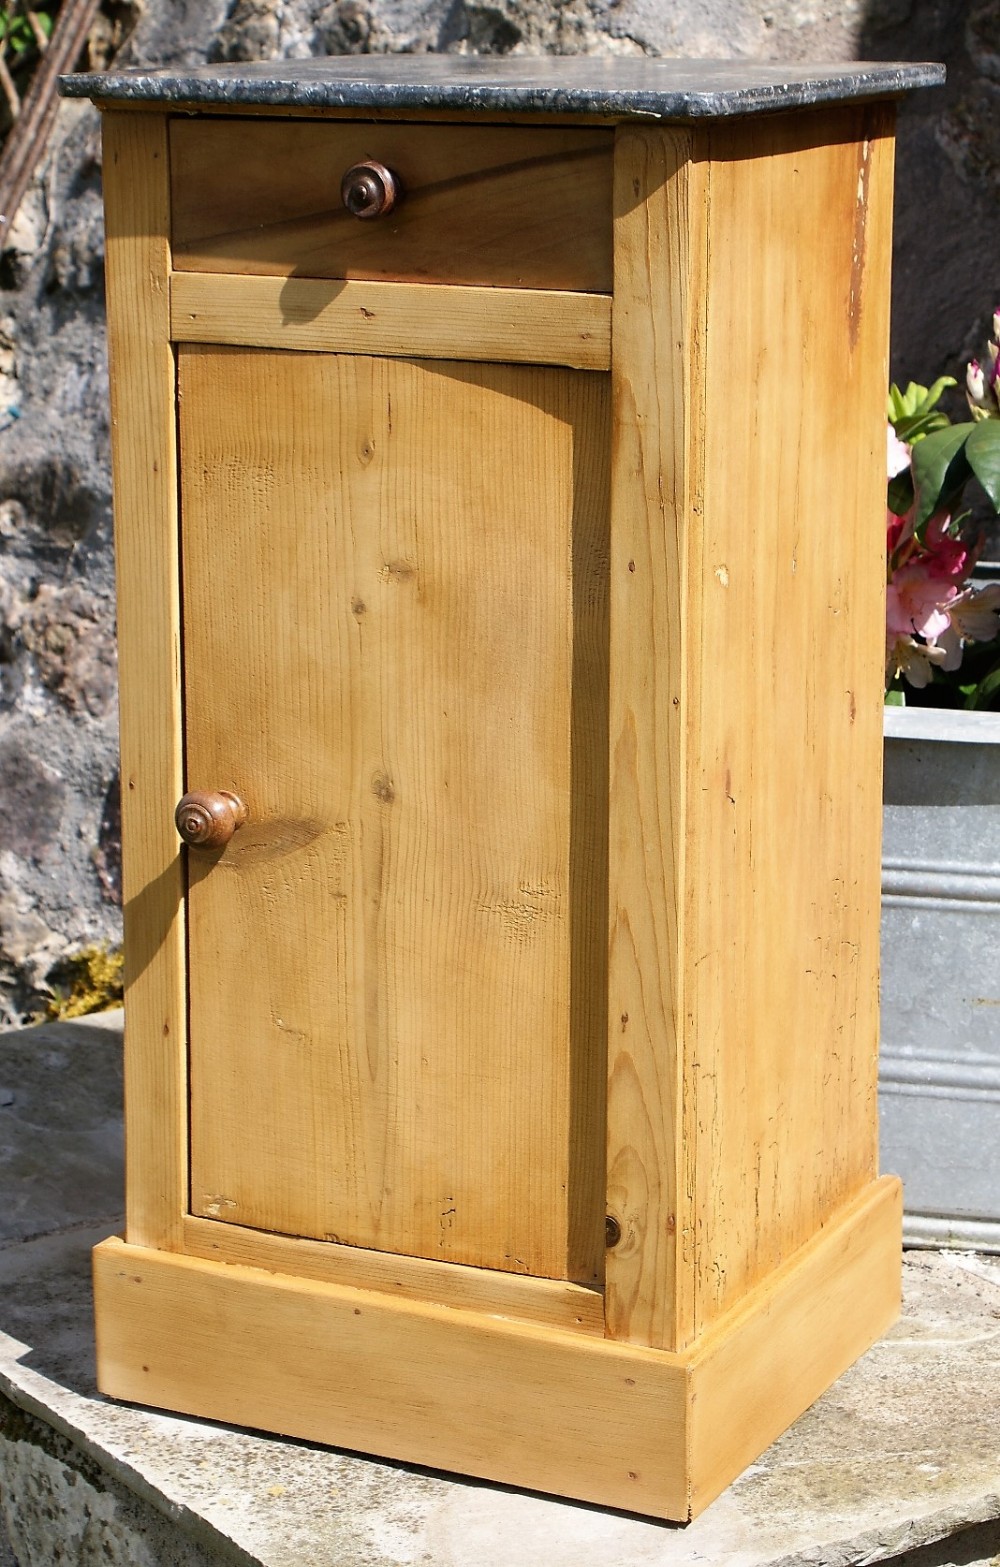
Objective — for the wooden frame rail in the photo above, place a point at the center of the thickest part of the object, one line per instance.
(403, 320)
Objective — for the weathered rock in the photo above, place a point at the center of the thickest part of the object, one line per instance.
(59, 872)
(61, 1510)
(56, 577)
(67, 636)
(33, 796)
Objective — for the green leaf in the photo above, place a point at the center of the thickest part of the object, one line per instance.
(983, 452)
(940, 468)
(900, 493)
(914, 413)
(912, 398)
(987, 693)
(933, 397)
(921, 424)
(895, 699)
(896, 404)
(20, 36)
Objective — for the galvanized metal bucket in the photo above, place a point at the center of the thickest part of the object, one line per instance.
(939, 1076)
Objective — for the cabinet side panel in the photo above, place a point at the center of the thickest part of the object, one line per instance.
(658, 196)
(397, 657)
(783, 769)
(773, 1355)
(145, 489)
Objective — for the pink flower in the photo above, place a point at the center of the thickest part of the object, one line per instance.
(897, 531)
(932, 611)
(916, 601)
(975, 384)
(950, 556)
(897, 453)
(928, 624)
(975, 614)
(915, 660)
(982, 383)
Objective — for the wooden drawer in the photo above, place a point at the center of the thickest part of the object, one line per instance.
(511, 207)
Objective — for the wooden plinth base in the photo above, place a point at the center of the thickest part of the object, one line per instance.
(526, 1405)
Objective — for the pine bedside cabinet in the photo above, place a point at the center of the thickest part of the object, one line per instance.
(500, 484)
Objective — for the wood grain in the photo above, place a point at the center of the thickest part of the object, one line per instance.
(145, 495)
(403, 319)
(788, 1341)
(745, 700)
(514, 207)
(551, 1302)
(522, 1405)
(657, 191)
(615, 1424)
(785, 581)
(396, 655)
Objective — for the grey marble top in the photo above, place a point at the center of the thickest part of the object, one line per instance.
(576, 84)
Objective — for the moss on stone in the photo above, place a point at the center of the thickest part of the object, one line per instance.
(87, 981)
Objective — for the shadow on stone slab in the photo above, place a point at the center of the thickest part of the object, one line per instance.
(62, 1178)
(978, 1546)
(46, 1302)
(62, 1145)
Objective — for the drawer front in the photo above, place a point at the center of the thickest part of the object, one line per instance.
(502, 206)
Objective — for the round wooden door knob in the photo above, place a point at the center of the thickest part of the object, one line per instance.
(208, 818)
(370, 190)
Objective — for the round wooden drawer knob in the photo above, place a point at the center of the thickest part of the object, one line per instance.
(370, 190)
(208, 818)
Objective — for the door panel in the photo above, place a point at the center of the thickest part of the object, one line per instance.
(396, 653)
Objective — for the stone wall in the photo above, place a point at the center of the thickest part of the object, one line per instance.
(59, 851)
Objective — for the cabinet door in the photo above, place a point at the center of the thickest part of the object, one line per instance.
(395, 623)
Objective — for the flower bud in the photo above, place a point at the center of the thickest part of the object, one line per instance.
(975, 383)
(996, 326)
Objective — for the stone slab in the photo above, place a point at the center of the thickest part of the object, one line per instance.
(574, 84)
(62, 1146)
(898, 1462)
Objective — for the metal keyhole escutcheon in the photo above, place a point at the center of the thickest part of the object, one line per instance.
(370, 190)
(207, 819)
